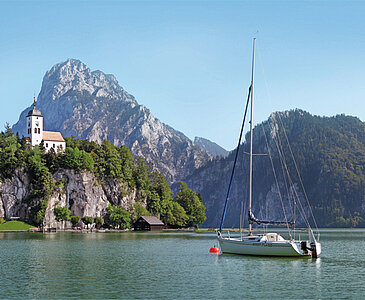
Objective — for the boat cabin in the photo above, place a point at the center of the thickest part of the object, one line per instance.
(148, 223)
(272, 237)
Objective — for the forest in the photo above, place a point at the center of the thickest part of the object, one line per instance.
(329, 154)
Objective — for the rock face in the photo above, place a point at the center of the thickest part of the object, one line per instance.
(12, 193)
(211, 147)
(91, 105)
(83, 195)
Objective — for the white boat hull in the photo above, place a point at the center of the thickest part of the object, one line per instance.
(261, 248)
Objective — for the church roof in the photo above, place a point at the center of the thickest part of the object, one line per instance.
(34, 112)
(54, 136)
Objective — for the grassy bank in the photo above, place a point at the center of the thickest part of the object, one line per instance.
(15, 225)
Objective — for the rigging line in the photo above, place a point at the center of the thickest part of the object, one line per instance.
(269, 96)
(282, 157)
(291, 183)
(270, 99)
(276, 180)
(235, 160)
(287, 185)
(300, 178)
(279, 148)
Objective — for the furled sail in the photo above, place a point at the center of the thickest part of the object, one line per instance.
(252, 219)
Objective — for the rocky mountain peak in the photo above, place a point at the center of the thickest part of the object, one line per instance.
(72, 77)
(92, 105)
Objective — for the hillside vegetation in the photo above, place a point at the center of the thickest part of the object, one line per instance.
(107, 162)
(329, 153)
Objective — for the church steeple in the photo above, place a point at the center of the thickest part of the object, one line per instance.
(34, 125)
(34, 111)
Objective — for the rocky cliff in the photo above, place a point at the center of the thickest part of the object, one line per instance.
(82, 194)
(93, 106)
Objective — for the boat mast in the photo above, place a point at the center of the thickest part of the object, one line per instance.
(251, 138)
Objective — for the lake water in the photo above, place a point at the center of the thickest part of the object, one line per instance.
(172, 265)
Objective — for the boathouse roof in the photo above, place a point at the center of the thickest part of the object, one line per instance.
(152, 220)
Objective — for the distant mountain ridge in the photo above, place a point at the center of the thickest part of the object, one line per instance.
(211, 147)
(330, 155)
(92, 105)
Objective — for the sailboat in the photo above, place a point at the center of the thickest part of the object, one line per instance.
(268, 243)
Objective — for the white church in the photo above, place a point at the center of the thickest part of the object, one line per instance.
(35, 133)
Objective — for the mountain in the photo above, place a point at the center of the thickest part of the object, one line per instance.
(329, 153)
(210, 147)
(92, 105)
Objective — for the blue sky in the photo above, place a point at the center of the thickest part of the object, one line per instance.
(189, 61)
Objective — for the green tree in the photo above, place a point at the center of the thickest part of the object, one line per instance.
(178, 217)
(42, 184)
(75, 220)
(139, 211)
(62, 214)
(77, 159)
(9, 153)
(117, 217)
(160, 199)
(87, 220)
(99, 221)
(191, 202)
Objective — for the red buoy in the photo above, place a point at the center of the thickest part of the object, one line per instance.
(214, 250)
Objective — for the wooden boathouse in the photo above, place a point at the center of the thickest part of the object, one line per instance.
(148, 223)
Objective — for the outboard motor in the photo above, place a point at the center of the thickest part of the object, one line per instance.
(313, 249)
(303, 246)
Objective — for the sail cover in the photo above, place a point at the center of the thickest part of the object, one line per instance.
(252, 219)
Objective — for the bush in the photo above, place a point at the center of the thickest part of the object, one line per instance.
(87, 220)
(75, 220)
(99, 221)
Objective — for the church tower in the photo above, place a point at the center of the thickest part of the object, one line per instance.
(34, 126)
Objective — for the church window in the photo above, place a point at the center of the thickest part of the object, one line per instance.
(39, 130)
(54, 146)
(46, 145)
(35, 130)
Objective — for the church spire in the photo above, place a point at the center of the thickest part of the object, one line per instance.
(34, 102)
